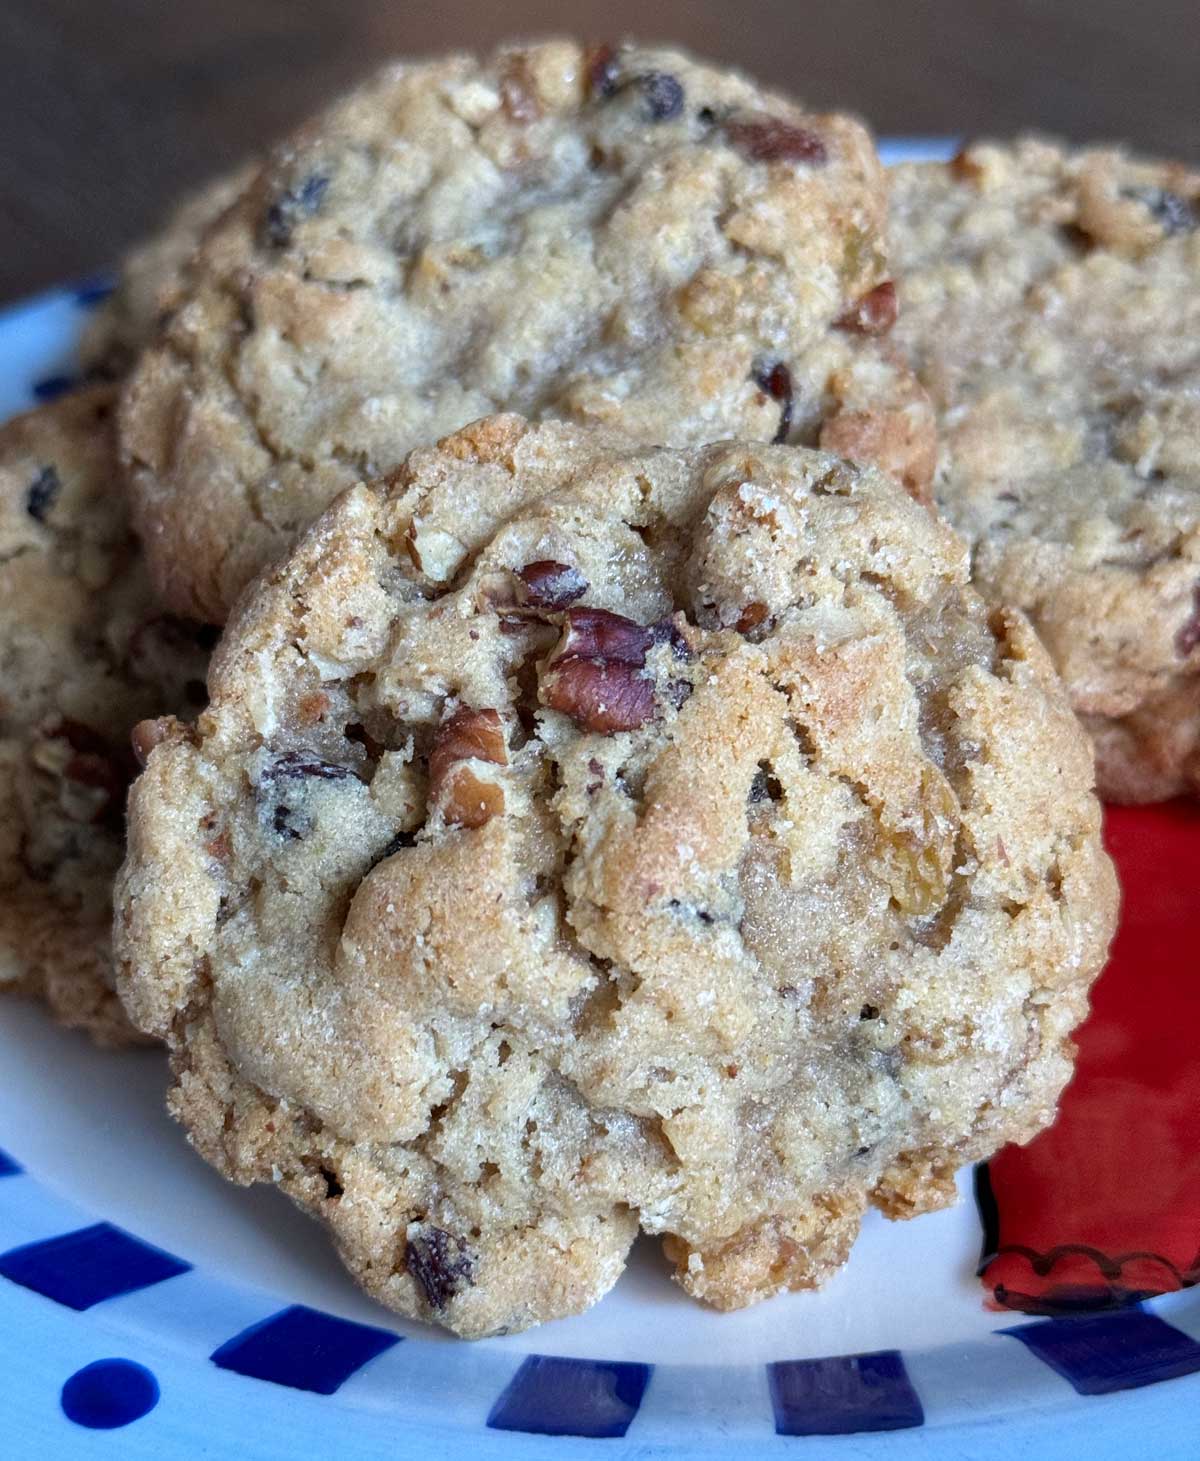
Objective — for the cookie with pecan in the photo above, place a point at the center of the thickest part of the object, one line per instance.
(618, 236)
(1051, 305)
(585, 838)
(85, 654)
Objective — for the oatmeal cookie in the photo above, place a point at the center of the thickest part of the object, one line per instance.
(622, 237)
(585, 837)
(85, 654)
(1051, 306)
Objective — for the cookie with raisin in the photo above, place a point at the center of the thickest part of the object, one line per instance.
(585, 837)
(1051, 306)
(85, 654)
(619, 236)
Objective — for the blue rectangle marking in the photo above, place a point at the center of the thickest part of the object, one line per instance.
(87, 1266)
(843, 1394)
(304, 1349)
(553, 1396)
(1099, 1353)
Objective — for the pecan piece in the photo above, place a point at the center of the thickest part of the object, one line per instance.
(602, 69)
(596, 674)
(874, 314)
(550, 585)
(763, 138)
(465, 799)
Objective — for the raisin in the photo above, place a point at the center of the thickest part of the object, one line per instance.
(666, 631)
(550, 585)
(776, 381)
(294, 764)
(766, 785)
(1188, 637)
(662, 95)
(440, 1264)
(288, 829)
(1176, 214)
(44, 488)
(763, 138)
(869, 1012)
(293, 207)
(603, 72)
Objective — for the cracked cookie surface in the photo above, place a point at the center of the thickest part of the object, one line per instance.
(618, 236)
(85, 653)
(584, 837)
(1051, 306)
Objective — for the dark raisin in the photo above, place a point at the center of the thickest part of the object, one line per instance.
(293, 207)
(776, 380)
(874, 314)
(294, 764)
(1176, 214)
(440, 1264)
(550, 585)
(869, 1012)
(1189, 634)
(603, 72)
(289, 825)
(666, 631)
(770, 139)
(400, 841)
(662, 95)
(44, 488)
(333, 1188)
(765, 786)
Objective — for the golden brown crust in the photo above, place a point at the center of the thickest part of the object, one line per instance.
(762, 923)
(640, 247)
(1050, 301)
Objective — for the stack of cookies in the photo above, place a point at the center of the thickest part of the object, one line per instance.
(616, 630)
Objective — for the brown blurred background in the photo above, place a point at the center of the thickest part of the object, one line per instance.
(109, 108)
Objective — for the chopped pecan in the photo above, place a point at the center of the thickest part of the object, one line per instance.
(874, 314)
(597, 633)
(150, 733)
(751, 617)
(602, 696)
(602, 70)
(465, 799)
(550, 585)
(763, 138)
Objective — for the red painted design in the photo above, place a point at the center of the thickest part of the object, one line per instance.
(1105, 1206)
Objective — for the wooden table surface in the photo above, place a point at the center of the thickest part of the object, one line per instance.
(109, 108)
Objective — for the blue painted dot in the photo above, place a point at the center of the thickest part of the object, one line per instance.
(108, 1394)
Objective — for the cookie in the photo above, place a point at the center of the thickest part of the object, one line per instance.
(85, 654)
(1051, 305)
(622, 237)
(585, 837)
(149, 278)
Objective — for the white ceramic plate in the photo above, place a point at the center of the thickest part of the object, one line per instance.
(149, 1309)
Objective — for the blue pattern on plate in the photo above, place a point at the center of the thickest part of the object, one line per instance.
(1100, 1353)
(89, 1265)
(552, 1396)
(843, 1394)
(304, 1349)
(109, 1393)
(8, 1168)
